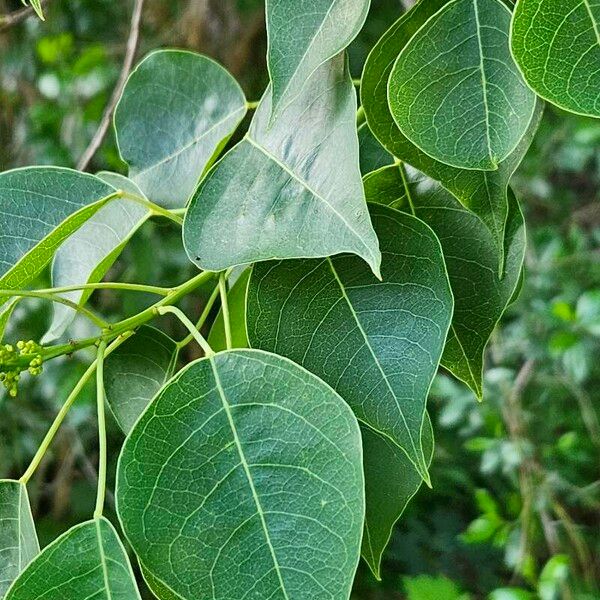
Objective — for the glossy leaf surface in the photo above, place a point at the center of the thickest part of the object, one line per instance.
(244, 478)
(461, 58)
(556, 43)
(289, 190)
(88, 561)
(18, 539)
(136, 371)
(177, 111)
(302, 36)
(377, 343)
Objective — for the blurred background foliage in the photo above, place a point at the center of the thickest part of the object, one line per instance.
(515, 509)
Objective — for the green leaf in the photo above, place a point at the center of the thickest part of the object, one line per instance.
(480, 295)
(18, 539)
(136, 371)
(37, 7)
(157, 587)
(39, 208)
(377, 343)
(455, 90)
(5, 314)
(244, 477)
(373, 155)
(177, 112)
(483, 192)
(86, 256)
(288, 190)
(88, 561)
(390, 483)
(304, 35)
(556, 44)
(237, 316)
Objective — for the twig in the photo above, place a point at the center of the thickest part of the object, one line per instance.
(132, 44)
(16, 17)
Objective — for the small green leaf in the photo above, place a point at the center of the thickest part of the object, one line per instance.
(304, 35)
(455, 90)
(291, 189)
(377, 343)
(373, 155)
(390, 483)
(237, 315)
(18, 539)
(244, 477)
(86, 256)
(136, 371)
(471, 256)
(556, 44)
(483, 192)
(5, 313)
(39, 208)
(88, 561)
(176, 114)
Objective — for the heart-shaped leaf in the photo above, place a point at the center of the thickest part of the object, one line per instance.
(136, 371)
(244, 477)
(304, 35)
(461, 58)
(88, 561)
(86, 256)
(276, 194)
(327, 315)
(39, 208)
(483, 192)
(480, 295)
(177, 111)
(556, 44)
(18, 539)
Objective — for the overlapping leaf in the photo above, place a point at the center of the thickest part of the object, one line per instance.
(135, 372)
(88, 561)
(18, 539)
(480, 295)
(86, 256)
(244, 478)
(177, 111)
(377, 343)
(556, 43)
(483, 192)
(304, 35)
(288, 190)
(373, 155)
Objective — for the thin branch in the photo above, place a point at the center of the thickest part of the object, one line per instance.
(16, 17)
(132, 44)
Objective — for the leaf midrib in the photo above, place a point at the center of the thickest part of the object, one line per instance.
(102, 560)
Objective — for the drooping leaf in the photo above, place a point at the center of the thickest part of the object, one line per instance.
(86, 256)
(483, 192)
(5, 313)
(390, 483)
(304, 35)
(288, 190)
(373, 155)
(88, 561)
(480, 295)
(237, 316)
(39, 208)
(18, 539)
(136, 371)
(556, 44)
(244, 478)
(455, 90)
(377, 343)
(177, 111)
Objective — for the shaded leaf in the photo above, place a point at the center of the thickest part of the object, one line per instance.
(373, 155)
(377, 343)
(556, 44)
(86, 256)
(88, 561)
(176, 114)
(157, 587)
(136, 371)
(244, 477)
(276, 194)
(304, 35)
(18, 539)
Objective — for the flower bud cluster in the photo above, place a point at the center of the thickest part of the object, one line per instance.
(9, 354)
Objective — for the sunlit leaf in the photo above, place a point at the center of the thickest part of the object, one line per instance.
(290, 189)
(244, 478)
(177, 111)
